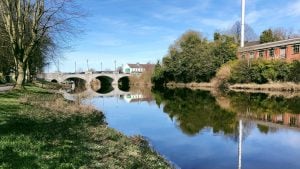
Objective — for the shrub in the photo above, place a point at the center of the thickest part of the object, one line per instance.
(263, 71)
(240, 72)
(295, 72)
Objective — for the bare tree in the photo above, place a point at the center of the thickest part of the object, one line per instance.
(235, 31)
(27, 23)
(283, 33)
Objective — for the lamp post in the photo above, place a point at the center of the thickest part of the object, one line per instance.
(115, 66)
(87, 63)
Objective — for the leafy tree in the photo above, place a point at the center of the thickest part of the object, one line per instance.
(189, 59)
(158, 75)
(268, 36)
(224, 48)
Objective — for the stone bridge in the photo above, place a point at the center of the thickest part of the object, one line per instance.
(86, 76)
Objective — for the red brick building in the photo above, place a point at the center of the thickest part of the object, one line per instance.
(288, 50)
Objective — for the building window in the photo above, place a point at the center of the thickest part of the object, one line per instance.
(296, 48)
(251, 55)
(271, 52)
(282, 52)
(261, 53)
(243, 56)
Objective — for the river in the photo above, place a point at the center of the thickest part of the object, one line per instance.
(210, 130)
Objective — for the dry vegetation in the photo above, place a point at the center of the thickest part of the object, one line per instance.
(143, 79)
(40, 129)
(283, 86)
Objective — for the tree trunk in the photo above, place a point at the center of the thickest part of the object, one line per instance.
(28, 78)
(21, 76)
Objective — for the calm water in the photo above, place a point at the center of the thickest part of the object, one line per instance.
(197, 129)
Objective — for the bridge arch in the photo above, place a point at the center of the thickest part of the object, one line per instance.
(54, 81)
(105, 84)
(124, 83)
(77, 84)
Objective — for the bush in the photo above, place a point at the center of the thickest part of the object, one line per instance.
(295, 72)
(263, 71)
(240, 72)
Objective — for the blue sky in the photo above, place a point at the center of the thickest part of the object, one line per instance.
(131, 31)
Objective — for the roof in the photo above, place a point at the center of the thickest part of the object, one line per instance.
(145, 66)
(269, 45)
(252, 43)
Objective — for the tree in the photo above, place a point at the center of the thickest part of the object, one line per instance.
(235, 31)
(27, 23)
(282, 33)
(224, 48)
(189, 59)
(276, 34)
(268, 36)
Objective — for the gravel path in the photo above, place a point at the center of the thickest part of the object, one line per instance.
(5, 88)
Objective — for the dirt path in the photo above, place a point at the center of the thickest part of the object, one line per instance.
(5, 88)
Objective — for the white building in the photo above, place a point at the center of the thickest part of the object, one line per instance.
(137, 68)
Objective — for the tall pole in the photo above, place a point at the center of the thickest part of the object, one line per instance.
(75, 66)
(101, 66)
(115, 66)
(243, 24)
(58, 66)
(240, 144)
(87, 63)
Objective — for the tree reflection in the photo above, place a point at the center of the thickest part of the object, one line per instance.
(195, 110)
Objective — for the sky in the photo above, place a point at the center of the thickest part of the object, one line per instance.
(140, 31)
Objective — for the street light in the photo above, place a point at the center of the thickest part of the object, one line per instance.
(87, 63)
(115, 66)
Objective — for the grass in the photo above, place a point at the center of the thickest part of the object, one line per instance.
(39, 129)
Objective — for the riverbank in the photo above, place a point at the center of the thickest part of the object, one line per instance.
(287, 86)
(251, 87)
(40, 129)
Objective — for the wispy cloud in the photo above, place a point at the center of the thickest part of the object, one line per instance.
(293, 8)
(174, 12)
(218, 23)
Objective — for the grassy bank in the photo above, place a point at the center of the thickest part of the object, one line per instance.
(283, 86)
(39, 129)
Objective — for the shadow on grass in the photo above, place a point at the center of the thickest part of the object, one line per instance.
(26, 142)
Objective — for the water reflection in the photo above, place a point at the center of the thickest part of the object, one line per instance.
(195, 110)
(212, 129)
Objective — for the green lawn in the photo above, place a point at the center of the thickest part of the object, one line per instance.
(39, 129)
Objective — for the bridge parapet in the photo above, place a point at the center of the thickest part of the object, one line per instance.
(88, 77)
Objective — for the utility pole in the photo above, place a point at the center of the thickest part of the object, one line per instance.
(75, 66)
(243, 24)
(101, 67)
